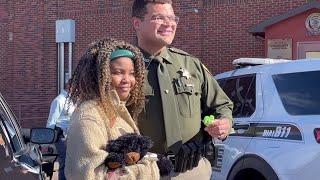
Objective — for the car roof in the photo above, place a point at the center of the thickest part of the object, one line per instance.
(274, 68)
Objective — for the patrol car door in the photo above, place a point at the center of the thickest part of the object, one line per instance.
(286, 136)
(14, 162)
(244, 91)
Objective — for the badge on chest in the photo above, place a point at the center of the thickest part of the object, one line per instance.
(183, 83)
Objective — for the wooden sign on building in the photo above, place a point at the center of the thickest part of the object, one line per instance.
(280, 48)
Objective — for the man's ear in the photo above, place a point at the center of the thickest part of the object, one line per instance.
(136, 23)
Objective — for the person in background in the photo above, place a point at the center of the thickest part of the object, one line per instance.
(107, 88)
(179, 90)
(61, 110)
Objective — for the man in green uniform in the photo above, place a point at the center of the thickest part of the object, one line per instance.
(179, 91)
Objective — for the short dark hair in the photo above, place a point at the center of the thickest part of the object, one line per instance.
(139, 7)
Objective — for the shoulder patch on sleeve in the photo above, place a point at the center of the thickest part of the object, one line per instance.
(205, 68)
(179, 51)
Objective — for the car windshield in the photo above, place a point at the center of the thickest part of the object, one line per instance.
(299, 92)
(9, 127)
(11, 133)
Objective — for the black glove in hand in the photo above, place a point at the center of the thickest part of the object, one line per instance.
(164, 164)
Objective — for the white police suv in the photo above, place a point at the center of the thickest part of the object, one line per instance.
(276, 121)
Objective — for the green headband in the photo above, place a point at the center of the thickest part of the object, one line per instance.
(121, 53)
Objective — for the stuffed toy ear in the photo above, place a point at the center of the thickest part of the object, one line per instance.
(114, 160)
(165, 165)
(146, 144)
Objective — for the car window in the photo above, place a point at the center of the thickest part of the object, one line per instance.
(12, 135)
(4, 148)
(10, 126)
(9, 167)
(242, 91)
(299, 92)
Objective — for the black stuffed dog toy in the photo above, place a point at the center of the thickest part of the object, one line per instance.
(129, 149)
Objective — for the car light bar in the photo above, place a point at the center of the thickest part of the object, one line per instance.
(257, 61)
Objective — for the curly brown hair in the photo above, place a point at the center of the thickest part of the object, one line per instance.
(139, 7)
(91, 79)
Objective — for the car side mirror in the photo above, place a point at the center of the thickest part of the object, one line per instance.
(43, 136)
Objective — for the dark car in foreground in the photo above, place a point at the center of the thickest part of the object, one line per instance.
(20, 154)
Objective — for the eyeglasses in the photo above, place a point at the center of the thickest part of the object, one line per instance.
(161, 19)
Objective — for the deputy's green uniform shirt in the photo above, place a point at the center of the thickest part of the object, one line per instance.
(195, 90)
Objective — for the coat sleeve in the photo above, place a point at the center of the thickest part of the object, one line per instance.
(86, 148)
(214, 100)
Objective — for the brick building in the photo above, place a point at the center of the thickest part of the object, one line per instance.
(217, 31)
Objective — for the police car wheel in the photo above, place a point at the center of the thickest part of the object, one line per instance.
(252, 168)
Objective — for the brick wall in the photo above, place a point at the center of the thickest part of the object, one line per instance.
(216, 31)
(4, 20)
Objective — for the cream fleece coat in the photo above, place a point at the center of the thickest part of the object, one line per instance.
(87, 139)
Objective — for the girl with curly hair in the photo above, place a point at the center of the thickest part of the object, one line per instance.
(107, 87)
